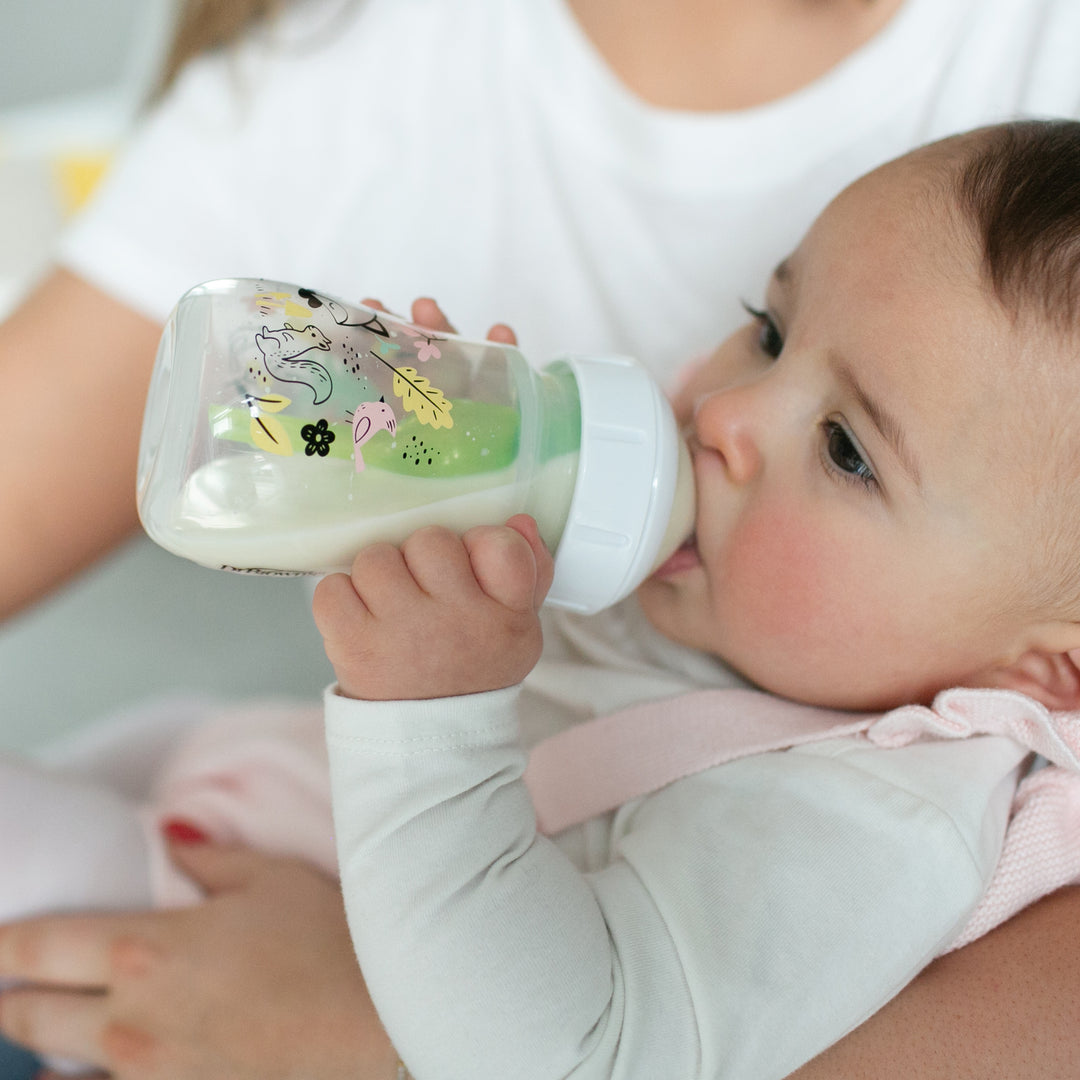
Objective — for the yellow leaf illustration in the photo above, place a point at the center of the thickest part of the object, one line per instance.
(296, 311)
(420, 397)
(268, 433)
(270, 301)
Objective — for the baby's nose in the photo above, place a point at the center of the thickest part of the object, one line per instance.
(726, 421)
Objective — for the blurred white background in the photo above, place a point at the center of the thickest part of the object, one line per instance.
(72, 76)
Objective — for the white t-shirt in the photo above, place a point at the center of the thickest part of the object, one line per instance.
(733, 924)
(481, 152)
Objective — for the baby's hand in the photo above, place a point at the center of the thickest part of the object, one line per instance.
(427, 313)
(440, 615)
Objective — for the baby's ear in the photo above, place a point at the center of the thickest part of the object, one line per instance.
(1052, 678)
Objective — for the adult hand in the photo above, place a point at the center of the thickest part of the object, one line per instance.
(259, 982)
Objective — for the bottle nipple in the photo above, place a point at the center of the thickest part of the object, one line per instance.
(633, 501)
(683, 509)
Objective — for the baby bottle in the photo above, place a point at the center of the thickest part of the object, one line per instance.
(285, 430)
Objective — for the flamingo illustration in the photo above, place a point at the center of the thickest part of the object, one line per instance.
(280, 349)
(370, 417)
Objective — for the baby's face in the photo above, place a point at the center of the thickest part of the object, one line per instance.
(865, 452)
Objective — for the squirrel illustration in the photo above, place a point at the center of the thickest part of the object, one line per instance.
(280, 349)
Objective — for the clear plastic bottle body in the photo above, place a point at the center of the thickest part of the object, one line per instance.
(285, 430)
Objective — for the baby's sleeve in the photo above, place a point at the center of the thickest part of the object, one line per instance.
(736, 924)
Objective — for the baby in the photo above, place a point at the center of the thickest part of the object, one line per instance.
(886, 460)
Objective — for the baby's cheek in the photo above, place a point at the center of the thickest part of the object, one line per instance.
(795, 583)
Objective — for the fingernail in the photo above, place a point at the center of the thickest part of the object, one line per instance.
(183, 832)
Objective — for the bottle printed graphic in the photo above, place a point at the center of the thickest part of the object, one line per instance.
(286, 429)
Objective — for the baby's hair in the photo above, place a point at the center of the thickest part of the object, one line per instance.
(1019, 185)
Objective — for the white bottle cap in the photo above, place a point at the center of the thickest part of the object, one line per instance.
(625, 488)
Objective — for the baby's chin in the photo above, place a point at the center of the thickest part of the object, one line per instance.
(661, 593)
(669, 600)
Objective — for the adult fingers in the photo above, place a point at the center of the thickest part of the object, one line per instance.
(75, 951)
(220, 869)
(57, 1023)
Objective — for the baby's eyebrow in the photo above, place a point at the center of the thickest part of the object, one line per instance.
(886, 423)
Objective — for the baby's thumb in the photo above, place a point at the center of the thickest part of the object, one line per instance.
(545, 564)
(218, 869)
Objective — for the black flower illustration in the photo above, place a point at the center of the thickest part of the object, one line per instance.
(318, 438)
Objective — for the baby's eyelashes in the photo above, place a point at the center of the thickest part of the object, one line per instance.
(769, 338)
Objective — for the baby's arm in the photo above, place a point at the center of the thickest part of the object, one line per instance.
(440, 616)
(732, 925)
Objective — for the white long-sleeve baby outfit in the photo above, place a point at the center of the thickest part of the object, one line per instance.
(733, 924)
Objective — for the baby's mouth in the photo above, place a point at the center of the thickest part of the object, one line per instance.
(685, 557)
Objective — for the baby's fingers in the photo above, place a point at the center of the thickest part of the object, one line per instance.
(508, 563)
(502, 334)
(427, 313)
(438, 562)
(545, 561)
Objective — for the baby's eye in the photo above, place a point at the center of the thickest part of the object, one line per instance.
(845, 455)
(769, 341)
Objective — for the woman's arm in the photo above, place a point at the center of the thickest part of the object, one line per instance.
(1006, 1007)
(274, 937)
(74, 369)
